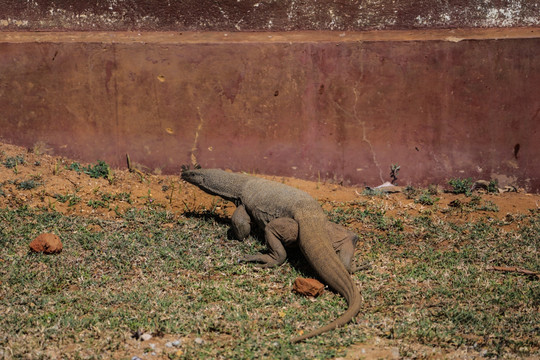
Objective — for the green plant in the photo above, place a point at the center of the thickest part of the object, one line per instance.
(12, 162)
(426, 199)
(394, 170)
(461, 186)
(71, 199)
(75, 166)
(493, 186)
(100, 170)
(487, 206)
(28, 184)
(97, 204)
(410, 192)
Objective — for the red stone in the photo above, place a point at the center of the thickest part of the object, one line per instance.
(308, 287)
(46, 243)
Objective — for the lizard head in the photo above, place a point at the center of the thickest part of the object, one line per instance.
(215, 182)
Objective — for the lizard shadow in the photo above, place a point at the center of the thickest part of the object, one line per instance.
(207, 215)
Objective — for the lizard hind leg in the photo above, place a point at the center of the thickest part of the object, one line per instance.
(278, 233)
(344, 244)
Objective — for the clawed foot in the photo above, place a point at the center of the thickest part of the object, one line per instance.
(262, 260)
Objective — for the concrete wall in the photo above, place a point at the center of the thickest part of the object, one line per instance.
(444, 88)
(265, 15)
(342, 106)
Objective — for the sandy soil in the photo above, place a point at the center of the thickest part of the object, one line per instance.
(75, 193)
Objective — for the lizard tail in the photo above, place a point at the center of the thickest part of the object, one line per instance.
(355, 305)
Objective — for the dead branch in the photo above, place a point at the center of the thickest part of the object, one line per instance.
(515, 269)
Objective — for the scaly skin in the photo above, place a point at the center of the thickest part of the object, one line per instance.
(265, 201)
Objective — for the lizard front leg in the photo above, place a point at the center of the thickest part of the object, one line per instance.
(241, 223)
(278, 234)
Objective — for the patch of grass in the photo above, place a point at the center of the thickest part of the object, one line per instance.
(165, 273)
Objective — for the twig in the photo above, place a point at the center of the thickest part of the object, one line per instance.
(132, 169)
(516, 270)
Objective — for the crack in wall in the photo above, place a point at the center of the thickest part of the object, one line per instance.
(193, 157)
(364, 135)
(354, 116)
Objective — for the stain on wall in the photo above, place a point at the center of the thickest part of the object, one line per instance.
(265, 15)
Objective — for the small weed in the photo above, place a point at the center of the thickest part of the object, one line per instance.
(124, 196)
(75, 166)
(475, 201)
(394, 170)
(432, 190)
(71, 199)
(97, 204)
(12, 162)
(493, 186)
(410, 192)
(488, 206)
(461, 186)
(426, 199)
(99, 170)
(28, 184)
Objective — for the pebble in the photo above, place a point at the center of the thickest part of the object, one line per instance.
(177, 343)
(136, 358)
(169, 344)
(146, 337)
(199, 341)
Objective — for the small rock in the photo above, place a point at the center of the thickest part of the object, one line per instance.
(199, 341)
(308, 287)
(169, 344)
(146, 337)
(135, 358)
(46, 243)
(177, 343)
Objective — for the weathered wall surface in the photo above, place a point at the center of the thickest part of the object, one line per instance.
(265, 15)
(302, 104)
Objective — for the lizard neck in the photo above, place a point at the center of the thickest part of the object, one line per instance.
(217, 182)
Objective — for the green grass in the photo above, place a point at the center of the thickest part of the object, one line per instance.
(429, 283)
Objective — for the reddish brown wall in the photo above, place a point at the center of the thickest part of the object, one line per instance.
(335, 105)
(265, 15)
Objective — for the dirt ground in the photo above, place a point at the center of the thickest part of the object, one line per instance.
(57, 187)
(32, 177)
